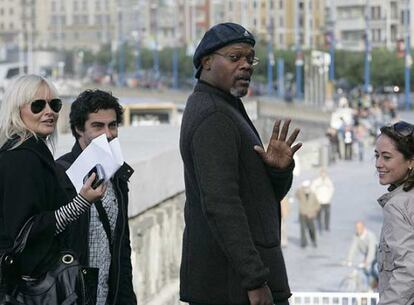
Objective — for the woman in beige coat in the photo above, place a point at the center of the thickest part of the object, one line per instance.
(394, 153)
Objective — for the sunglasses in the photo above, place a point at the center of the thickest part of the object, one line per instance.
(37, 106)
(403, 129)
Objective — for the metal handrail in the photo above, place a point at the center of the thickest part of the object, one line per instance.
(334, 298)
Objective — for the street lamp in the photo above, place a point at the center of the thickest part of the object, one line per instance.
(367, 40)
(332, 41)
(271, 59)
(155, 50)
(299, 54)
(121, 47)
(408, 60)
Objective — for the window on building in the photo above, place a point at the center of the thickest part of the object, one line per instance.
(271, 4)
(75, 6)
(394, 14)
(11, 25)
(84, 5)
(1, 26)
(11, 11)
(1, 11)
(53, 6)
(403, 16)
(254, 4)
(76, 35)
(375, 13)
(281, 22)
(99, 35)
(280, 4)
(281, 39)
(98, 5)
(393, 33)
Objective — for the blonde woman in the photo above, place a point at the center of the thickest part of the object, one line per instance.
(28, 183)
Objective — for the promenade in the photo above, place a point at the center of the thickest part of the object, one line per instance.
(356, 191)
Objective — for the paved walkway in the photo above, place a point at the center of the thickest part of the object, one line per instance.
(356, 191)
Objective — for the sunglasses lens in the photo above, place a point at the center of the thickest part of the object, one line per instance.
(37, 106)
(55, 104)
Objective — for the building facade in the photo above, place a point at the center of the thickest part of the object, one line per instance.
(382, 21)
(89, 24)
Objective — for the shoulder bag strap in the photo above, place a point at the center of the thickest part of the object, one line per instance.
(21, 239)
(103, 216)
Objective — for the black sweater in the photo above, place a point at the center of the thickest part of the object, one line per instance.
(232, 211)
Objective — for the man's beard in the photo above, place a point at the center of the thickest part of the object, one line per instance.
(238, 92)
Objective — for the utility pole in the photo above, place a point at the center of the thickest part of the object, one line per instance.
(281, 77)
(407, 56)
(299, 54)
(175, 51)
(332, 41)
(138, 43)
(270, 55)
(155, 51)
(368, 58)
(121, 47)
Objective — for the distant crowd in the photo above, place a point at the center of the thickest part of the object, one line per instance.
(356, 123)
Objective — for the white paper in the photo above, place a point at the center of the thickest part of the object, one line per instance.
(108, 154)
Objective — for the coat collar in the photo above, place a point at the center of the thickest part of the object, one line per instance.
(206, 87)
(386, 197)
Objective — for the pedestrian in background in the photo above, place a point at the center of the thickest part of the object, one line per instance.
(231, 243)
(308, 210)
(365, 244)
(394, 153)
(324, 189)
(284, 210)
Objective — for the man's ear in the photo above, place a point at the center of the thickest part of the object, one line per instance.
(206, 62)
(79, 132)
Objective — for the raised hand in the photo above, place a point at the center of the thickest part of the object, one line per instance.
(280, 151)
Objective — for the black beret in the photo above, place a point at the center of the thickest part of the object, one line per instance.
(219, 36)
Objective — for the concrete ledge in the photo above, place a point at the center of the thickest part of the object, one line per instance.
(153, 152)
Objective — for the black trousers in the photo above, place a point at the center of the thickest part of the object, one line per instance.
(307, 223)
(324, 217)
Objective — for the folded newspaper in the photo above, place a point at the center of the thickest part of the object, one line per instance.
(107, 154)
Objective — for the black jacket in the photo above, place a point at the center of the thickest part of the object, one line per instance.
(232, 211)
(120, 275)
(29, 186)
